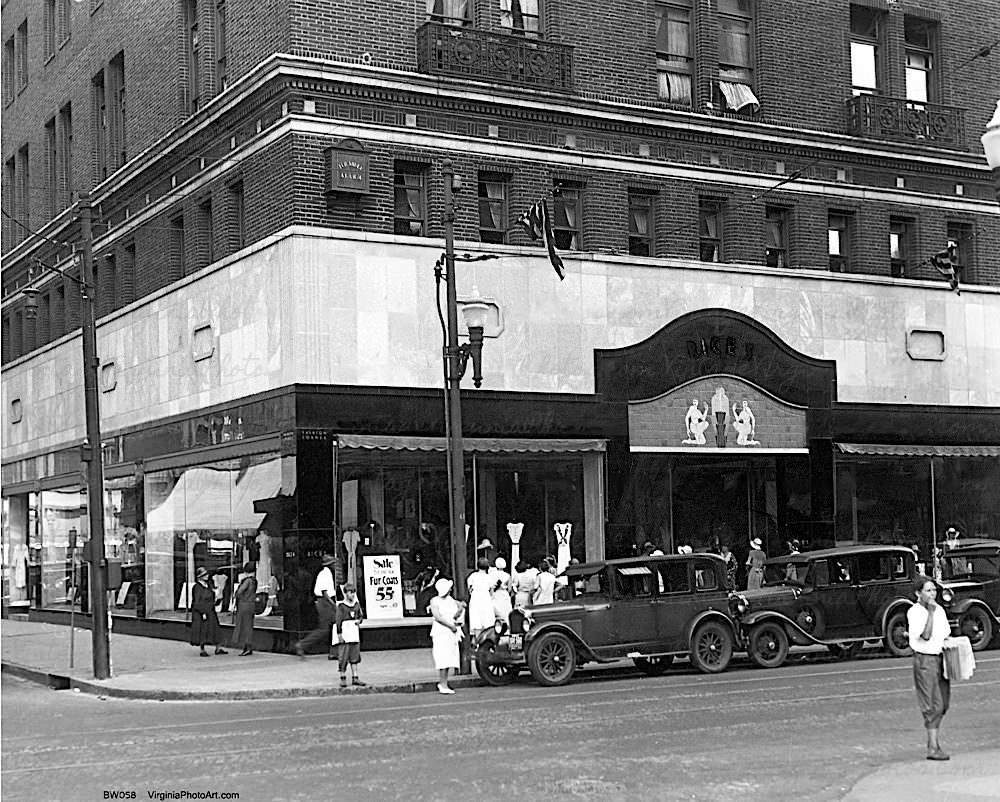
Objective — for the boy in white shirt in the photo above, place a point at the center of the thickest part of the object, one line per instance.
(927, 624)
(349, 616)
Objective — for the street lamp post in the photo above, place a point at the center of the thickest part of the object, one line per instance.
(991, 144)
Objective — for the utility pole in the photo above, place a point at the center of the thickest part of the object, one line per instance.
(92, 454)
(453, 377)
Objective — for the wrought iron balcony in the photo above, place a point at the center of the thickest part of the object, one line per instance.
(903, 120)
(489, 56)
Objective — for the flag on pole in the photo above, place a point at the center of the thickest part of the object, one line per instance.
(537, 224)
(946, 263)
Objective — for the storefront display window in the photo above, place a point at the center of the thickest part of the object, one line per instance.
(15, 551)
(62, 519)
(884, 500)
(967, 495)
(124, 540)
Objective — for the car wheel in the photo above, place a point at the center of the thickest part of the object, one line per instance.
(653, 666)
(490, 672)
(846, 651)
(768, 645)
(810, 620)
(712, 647)
(975, 624)
(552, 659)
(897, 636)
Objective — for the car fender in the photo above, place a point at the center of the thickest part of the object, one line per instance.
(893, 607)
(961, 607)
(557, 626)
(752, 619)
(711, 615)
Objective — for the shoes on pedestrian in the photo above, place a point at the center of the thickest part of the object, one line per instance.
(359, 683)
(221, 651)
(246, 652)
(445, 690)
(343, 682)
(937, 754)
(203, 653)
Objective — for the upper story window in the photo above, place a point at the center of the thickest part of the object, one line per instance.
(838, 234)
(710, 213)
(410, 215)
(520, 17)
(51, 167)
(566, 216)
(450, 12)
(961, 236)
(66, 153)
(64, 23)
(920, 36)
(866, 46)
(736, 54)
(21, 49)
(99, 126)
(674, 51)
(116, 127)
(902, 245)
(640, 223)
(9, 71)
(777, 225)
(492, 208)
(49, 22)
(221, 59)
(192, 54)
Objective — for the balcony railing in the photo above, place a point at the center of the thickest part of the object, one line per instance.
(489, 56)
(903, 120)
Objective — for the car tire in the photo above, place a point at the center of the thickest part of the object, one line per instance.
(496, 674)
(897, 636)
(712, 647)
(846, 651)
(552, 659)
(768, 645)
(653, 666)
(975, 624)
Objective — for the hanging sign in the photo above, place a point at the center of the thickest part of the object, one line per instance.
(383, 586)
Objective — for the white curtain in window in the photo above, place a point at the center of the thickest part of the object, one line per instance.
(710, 225)
(734, 42)
(448, 10)
(674, 87)
(673, 31)
(494, 191)
(737, 94)
(863, 72)
(569, 207)
(640, 221)
(916, 84)
(519, 15)
(775, 235)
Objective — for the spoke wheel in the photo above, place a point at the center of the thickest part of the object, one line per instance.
(768, 645)
(712, 647)
(552, 659)
(897, 637)
(490, 672)
(975, 624)
(654, 666)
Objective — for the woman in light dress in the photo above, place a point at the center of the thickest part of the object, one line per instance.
(481, 584)
(501, 591)
(446, 632)
(545, 589)
(524, 582)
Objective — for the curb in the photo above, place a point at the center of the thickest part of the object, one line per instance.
(62, 682)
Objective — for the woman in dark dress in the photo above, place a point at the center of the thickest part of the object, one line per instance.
(246, 593)
(204, 621)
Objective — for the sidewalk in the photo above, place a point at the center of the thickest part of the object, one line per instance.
(971, 777)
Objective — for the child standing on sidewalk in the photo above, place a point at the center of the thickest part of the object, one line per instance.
(349, 616)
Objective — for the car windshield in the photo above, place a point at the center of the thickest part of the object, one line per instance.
(795, 572)
(958, 566)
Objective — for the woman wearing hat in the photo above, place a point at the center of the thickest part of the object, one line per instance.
(481, 584)
(204, 621)
(755, 564)
(446, 632)
(246, 597)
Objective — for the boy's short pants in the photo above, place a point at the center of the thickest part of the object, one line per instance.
(349, 653)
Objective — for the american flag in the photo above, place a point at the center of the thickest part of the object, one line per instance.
(946, 263)
(537, 224)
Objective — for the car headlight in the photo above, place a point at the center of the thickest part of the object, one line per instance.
(499, 627)
(738, 604)
(947, 596)
(526, 624)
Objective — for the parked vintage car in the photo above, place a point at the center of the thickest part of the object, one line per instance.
(837, 597)
(970, 590)
(650, 609)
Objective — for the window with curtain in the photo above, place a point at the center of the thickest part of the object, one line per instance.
(674, 51)
(520, 17)
(776, 225)
(866, 42)
(492, 208)
(901, 245)
(710, 230)
(962, 236)
(640, 223)
(736, 54)
(450, 12)
(838, 234)
(920, 36)
(409, 216)
(566, 216)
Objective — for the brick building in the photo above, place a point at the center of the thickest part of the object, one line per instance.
(746, 196)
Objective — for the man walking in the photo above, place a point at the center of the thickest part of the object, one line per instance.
(325, 593)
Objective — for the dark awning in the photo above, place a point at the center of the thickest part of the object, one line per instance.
(483, 445)
(891, 450)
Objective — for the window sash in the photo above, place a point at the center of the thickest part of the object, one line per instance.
(492, 210)
(864, 66)
(961, 235)
(566, 218)
(409, 203)
(710, 232)
(735, 43)
(450, 12)
(520, 17)
(640, 224)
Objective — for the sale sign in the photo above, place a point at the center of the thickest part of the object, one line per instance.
(383, 586)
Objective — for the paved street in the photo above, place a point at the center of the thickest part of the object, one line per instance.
(803, 731)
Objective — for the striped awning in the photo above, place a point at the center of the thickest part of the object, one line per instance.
(892, 450)
(482, 445)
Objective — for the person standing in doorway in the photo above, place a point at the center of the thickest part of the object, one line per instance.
(348, 623)
(204, 619)
(246, 597)
(324, 597)
(755, 564)
(927, 625)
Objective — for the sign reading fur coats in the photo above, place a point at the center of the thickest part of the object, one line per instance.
(383, 586)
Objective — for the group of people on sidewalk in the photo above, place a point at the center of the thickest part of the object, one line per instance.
(205, 629)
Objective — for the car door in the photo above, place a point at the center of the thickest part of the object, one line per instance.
(687, 588)
(882, 577)
(632, 618)
(836, 594)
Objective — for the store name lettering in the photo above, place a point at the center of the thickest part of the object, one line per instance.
(719, 347)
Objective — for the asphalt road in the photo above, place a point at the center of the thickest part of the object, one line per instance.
(799, 732)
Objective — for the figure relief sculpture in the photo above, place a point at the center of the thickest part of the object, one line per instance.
(745, 425)
(696, 421)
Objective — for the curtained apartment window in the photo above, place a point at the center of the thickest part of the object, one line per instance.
(674, 51)
(492, 208)
(520, 17)
(450, 12)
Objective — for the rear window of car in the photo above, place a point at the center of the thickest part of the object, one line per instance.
(704, 577)
(881, 567)
(673, 577)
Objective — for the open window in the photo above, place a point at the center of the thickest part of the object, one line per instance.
(633, 582)
(736, 55)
